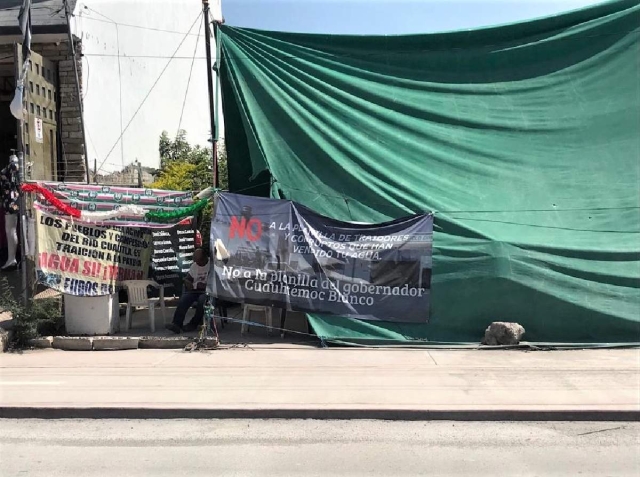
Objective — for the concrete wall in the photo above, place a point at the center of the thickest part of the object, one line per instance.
(69, 112)
(127, 44)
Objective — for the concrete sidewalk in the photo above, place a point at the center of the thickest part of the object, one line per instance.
(323, 383)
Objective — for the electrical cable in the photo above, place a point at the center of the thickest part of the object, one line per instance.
(184, 102)
(150, 90)
(128, 25)
(151, 57)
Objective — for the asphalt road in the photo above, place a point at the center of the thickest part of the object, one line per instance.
(316, 448)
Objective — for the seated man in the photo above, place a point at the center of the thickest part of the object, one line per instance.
(195, 284)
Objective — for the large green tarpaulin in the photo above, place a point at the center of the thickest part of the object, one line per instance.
(523, 139)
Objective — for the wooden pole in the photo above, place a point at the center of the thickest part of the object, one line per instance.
(207, 40)
(80, 105)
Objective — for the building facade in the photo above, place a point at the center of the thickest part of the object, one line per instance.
(50, 134)
(142, 71)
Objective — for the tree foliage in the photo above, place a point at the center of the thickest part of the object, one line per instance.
(176, 175)
(189, 168)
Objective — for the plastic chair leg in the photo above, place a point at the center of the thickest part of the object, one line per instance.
(269, 316)
(127, 319)
(246, 314)
(152, 318)
(162, 312)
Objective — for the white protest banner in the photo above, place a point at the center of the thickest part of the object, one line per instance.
(89, 260)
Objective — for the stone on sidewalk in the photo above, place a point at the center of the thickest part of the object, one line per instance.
(503, 333)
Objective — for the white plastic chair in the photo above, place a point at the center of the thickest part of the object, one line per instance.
(246, 315)
(137, 293)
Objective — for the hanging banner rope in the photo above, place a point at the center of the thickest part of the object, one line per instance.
(164, 216)
(52, 199)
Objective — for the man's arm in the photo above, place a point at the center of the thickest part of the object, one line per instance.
(188, 282)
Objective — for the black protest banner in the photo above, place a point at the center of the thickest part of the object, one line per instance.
(172, 256)
(281, 254)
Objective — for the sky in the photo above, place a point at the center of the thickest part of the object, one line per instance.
(380, 17)
(151, 108)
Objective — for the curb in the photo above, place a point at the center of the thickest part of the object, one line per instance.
(45, 342)
(114, 343)
(177, 342)
(68, 343)
(318, 414)
(109, 343)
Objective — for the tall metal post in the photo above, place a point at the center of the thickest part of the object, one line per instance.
(23, 227)
(214, 138)
(139, 169)
(72, 47)
(207, 40)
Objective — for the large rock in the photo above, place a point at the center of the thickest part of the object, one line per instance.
(502, 333)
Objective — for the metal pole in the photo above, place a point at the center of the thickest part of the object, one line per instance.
(23, 227)
(207, 40)
(72, 47)
(215, 138)
(139, 174)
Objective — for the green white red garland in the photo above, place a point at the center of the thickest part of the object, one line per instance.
(52, 199)
(129, 210)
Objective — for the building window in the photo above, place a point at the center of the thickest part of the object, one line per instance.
(31, 86)
(26, 149)
(37, 69)
(44, 113)
(46, 73)
(32, 108)
(49, 94)
(51, 114)
(38, 89)
(38, 109)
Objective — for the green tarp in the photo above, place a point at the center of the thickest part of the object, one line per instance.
(523, 139)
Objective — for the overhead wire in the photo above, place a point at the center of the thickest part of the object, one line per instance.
(115, 23)
(151, 90)
(129, 25)
(184, 102)
(152, 57)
